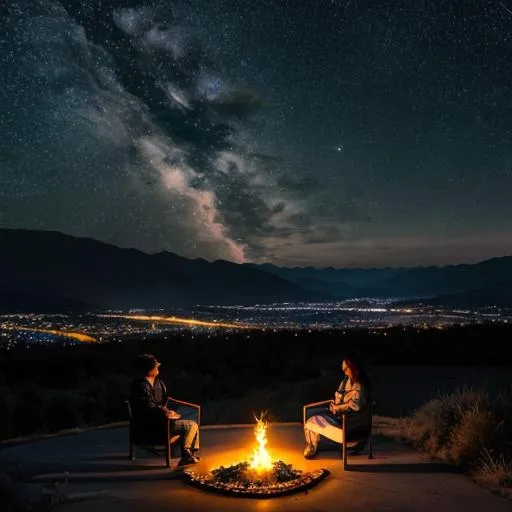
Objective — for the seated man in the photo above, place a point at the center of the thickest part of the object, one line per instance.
(148, 400)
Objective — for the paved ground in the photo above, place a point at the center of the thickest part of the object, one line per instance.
(398, 479)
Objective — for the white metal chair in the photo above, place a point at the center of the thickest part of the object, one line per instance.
(360, 435)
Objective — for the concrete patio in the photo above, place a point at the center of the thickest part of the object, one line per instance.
(397, 479)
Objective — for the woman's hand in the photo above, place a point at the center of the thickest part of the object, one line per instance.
(336, 409)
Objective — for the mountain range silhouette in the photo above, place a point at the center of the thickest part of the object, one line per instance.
(50, 271)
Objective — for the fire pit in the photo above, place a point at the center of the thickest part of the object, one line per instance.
(260, 477)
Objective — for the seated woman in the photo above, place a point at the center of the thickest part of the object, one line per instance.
(352, 396)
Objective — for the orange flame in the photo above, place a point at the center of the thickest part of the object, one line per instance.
(261, 460)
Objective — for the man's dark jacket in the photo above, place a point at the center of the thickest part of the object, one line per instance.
(146, 402)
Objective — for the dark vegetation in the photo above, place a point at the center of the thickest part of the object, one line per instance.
(469, 428)
(49, 388)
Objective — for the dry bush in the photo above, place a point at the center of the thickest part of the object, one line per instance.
(7, 492)
(469, 428)
(14, 494)
(62, 412)
(470, 436)
(431, 426)
(494, 473)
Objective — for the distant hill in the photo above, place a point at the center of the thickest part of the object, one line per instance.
(71, 271)
(451, 279)
(13, 300)
(420, 282)
(48, 263)
(342, 282)
(499, 294)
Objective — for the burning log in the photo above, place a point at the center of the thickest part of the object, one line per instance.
(239, 480)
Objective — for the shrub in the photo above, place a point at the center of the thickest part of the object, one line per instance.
(495, 473)
(104, 399)
(61, 412)
(468, 428)
(26, 412)
(6, 428)
(7, 492)
(431, 427)
(470, 436)
(15, 495)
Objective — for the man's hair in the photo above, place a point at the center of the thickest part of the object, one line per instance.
(145, 363)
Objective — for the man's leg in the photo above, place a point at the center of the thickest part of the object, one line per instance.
(189, 432)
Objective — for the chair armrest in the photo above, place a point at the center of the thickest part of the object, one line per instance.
(313, 404)
(182, 402)
(189, 404)
(369, 408)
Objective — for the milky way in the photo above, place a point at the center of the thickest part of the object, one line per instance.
(309, 133)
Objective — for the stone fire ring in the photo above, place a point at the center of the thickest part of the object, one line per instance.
(302, 483)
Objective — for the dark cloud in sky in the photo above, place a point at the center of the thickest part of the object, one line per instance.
(327, 132)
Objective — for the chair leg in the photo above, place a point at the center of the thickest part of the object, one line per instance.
(370, 435)
(168, 444)
(344, 444)
(130, 456)
(168, 455)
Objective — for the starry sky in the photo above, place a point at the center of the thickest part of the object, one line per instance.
(329, 132)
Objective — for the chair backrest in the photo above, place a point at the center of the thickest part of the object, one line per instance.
(365, 413)
(129, 407)
(371, 413)
(370, 404)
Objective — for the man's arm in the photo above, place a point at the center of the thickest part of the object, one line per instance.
(172, 415)
(162, 391)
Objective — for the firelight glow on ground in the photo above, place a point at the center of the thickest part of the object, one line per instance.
(260, 477)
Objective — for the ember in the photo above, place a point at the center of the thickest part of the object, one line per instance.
(238, 480)
(259, 478)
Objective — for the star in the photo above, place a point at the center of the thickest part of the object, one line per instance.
(261, 131)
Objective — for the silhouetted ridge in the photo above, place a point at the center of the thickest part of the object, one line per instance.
(47, 262)
(418, 282)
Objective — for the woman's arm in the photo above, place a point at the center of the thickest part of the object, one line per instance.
(353, 401)
(339, 409)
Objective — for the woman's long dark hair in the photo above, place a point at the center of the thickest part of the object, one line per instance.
(354, 361)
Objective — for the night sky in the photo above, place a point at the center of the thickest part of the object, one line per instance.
(300, 132)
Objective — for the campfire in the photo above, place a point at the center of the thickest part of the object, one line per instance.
(259, 477)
